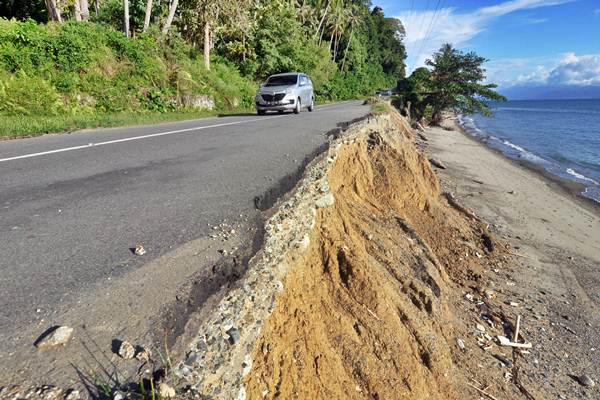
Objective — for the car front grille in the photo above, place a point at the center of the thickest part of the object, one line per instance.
(271, 97)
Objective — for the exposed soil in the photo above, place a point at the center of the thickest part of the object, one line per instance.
(375, 307)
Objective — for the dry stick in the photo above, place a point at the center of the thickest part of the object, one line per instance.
(519, 255)
(483, 392)
(516, 338)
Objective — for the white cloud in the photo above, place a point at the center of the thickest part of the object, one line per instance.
(576, 70)
(426, 31)
(567, 69)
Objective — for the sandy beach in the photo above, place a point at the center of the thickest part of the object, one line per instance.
(555, 284)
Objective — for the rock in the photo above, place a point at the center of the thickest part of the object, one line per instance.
(199, 101)
(73, 395)
(586, 381)
(58, 336)
(437, 163)
(234, 335)
(503, 360)
(143, 354)
(118, 395)
(480, 328)
(460, 343)
(325, 201)
(165, 391)
(139, 250)
(126, 350)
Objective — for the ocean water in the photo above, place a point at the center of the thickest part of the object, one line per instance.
(562, 136)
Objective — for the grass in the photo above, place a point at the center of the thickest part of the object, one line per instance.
(26, 126)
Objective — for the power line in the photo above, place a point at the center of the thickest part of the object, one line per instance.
(434, 17)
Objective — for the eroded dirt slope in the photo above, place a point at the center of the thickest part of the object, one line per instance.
(368, 311)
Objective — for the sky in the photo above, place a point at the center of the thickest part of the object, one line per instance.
(528, 42)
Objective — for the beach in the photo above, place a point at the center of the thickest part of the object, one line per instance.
(556, 237)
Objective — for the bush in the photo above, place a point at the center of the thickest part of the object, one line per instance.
(61, 68)
(28, 95)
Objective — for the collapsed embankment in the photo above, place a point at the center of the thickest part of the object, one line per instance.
(357, 291)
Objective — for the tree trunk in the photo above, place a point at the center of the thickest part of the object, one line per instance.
(207, 45)
(148, 15)
(77, 10)
(53, 11)
(170, 17)
(84, 9)
(126, 17)
(347, 47)
(97, 7)
(319, 33)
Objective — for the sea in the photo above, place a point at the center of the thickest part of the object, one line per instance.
(560, 136)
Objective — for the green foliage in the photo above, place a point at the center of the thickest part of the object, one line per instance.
(24, 95)
(91, 68)
(453, 82)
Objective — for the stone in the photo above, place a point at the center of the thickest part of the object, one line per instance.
(480, 328)
(139, 250)
(143, 354)
(73, 395)
(118, 395)
(325, 201)
(165, 391)
(199, 101)
(437, 163)
(586, 381)
(55, 337)
(460, 343)
(126, 350)
(234, 335)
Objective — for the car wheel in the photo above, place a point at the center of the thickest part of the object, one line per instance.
(280, 111)
(312, 105)
(261, 112)
(298, 105)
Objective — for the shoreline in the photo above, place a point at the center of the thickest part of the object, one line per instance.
(566, 186)
(553, 281)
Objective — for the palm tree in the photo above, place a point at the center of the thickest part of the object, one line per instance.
(147, 15)
(354, 18)
(126, 17)
(170, 17)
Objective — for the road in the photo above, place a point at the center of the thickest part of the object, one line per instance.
(72, 206)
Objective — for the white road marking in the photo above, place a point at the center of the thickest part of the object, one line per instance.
(197, 128)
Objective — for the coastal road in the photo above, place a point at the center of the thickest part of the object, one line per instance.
(72, 206)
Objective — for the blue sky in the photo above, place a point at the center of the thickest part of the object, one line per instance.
(528, 42)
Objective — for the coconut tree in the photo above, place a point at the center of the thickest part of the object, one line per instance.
(147, 15)
(354, 18)
(170, 17)
(126, 17)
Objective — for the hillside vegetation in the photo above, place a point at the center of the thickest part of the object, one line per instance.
(85, 68)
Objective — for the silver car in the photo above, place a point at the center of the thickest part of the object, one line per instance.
(290, 91)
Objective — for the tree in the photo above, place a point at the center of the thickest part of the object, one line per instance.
(147, 15)
(53, 11)
(452, 82)
(455, 83)
(170, 17)
(126, 17)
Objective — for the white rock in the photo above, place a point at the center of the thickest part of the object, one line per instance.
(126, 350)
(139, 250)
(57, 337)
(325, 201)
(165, 391)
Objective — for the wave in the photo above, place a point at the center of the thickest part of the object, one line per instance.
(513, 150)
(577, 175)
(550, 110)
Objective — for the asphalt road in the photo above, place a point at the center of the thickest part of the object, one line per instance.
(72, 205)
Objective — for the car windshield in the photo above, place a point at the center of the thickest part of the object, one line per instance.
(282, 80)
